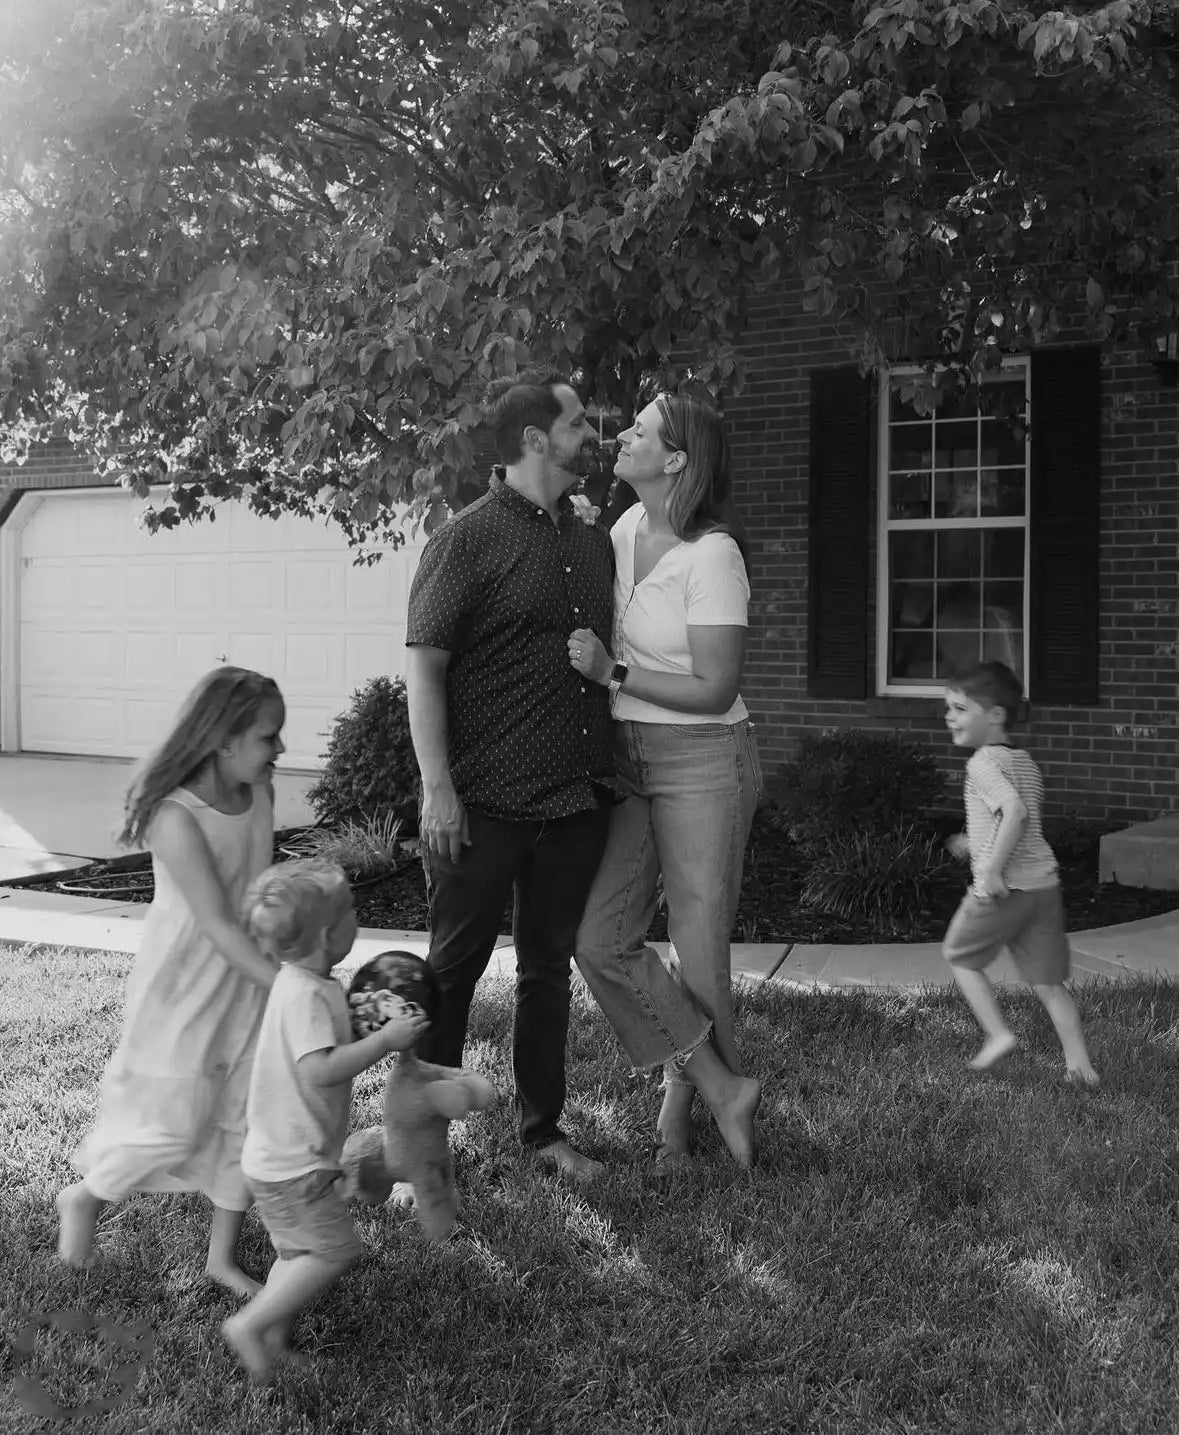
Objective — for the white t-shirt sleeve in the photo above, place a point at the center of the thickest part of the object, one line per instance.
(717, 589)
(308, 1025)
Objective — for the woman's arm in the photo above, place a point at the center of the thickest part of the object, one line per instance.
(718, 655)
(179, 843)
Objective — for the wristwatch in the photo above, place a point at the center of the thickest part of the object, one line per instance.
(617, 677)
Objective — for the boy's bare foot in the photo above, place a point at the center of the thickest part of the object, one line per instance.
(77, 1212)
(274, 1342)
(402, 1195)
(734, 1120)
(1082, 1075)
(251, 1349)
(562, 1158)
(233, 1278)
(994, 1049)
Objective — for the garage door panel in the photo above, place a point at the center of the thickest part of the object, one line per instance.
(117, 624)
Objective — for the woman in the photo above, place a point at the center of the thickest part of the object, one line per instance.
(689, 768)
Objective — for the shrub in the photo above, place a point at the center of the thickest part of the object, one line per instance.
(884, 879)
(371, 771)
(851, 781)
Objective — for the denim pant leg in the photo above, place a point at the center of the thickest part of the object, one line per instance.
(704, 791)
(553, 880)
(654, 1018)
(467, 900)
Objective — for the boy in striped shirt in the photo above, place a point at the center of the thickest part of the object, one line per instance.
(1014, 896)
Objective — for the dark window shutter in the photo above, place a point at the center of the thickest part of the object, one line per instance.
(839, 525)
(1066, 477)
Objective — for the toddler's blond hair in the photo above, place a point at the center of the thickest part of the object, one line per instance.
(288, 907)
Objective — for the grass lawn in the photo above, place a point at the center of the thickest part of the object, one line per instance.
(920, 1248)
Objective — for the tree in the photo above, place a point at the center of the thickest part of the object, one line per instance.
(273, 250)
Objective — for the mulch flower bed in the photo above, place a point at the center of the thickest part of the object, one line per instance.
(770, 909)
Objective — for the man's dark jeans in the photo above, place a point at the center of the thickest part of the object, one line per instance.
(551, 865)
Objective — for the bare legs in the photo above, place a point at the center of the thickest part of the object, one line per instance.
(999, 1039)
(259, 1334)
(78, 1209)
(221, 1264)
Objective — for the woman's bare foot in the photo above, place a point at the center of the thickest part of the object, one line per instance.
(77, 1212)
(253, 1350)
(994, 1049)
(233, 1278)
(1082, 1074)
(734, 1118)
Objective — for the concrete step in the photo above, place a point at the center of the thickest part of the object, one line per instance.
(1145, 855)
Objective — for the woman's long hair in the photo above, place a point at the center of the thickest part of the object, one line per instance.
(223, 704)
(701, 500)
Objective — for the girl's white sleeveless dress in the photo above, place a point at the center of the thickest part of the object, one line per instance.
(172, 1113)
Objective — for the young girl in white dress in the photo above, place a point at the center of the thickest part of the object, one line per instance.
(173, 1100)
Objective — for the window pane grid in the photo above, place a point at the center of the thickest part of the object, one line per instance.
(954, 520)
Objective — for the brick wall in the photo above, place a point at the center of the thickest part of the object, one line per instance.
(57, 465)
(1115, 760)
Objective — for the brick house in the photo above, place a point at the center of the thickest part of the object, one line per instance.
(886, 546)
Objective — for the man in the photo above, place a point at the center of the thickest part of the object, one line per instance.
(513, 744)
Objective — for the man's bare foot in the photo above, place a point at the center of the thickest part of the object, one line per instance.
(250, 1348)
(994, 1049)
(77, 1212)
(402, 1195)
(734, 1120)
(1082, 1074)
(562, 1158)
(233, 1278)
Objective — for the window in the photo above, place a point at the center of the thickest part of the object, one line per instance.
(953, 532)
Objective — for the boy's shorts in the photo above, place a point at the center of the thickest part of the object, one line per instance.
(1030, 924)
(307, 1216)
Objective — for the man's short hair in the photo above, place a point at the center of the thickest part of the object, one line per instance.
(526, 400)
(992, 685)
(288, 907)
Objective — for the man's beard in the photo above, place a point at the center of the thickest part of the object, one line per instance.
(579, 466)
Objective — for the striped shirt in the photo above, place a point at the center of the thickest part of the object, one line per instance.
(995, 775)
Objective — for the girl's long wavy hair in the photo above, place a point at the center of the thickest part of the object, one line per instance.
(701, 500)
(223, 704)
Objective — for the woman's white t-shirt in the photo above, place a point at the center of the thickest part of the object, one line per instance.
(701, 583)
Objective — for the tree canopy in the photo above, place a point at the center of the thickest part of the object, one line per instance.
(276, 250)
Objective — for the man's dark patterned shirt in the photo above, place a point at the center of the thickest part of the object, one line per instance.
(500, 587)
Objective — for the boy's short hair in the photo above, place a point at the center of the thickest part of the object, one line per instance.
(288, 907)
(993, 685)
(526, 400)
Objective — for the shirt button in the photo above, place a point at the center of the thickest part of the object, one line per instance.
(577, 610)
(568, 570)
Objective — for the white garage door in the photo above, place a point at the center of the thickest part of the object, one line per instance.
(115, 625)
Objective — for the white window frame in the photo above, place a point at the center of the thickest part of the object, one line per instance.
(885, 526)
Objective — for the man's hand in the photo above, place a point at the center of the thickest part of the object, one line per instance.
(443, 827)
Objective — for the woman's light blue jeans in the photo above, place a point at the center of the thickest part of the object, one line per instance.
(693, 790)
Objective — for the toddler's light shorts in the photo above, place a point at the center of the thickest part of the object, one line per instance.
(1030, 924)
(308, 1216)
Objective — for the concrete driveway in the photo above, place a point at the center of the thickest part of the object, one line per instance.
(62, 812)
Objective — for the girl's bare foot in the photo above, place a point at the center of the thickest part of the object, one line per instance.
(994, 1049)
(233, 1278)
(77, 1211)
(249, 1347)
(734, 1119)
(1082, 1074)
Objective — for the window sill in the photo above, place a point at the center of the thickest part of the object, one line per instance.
(895, 707)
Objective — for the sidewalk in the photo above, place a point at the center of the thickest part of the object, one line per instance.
(1146, 948)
